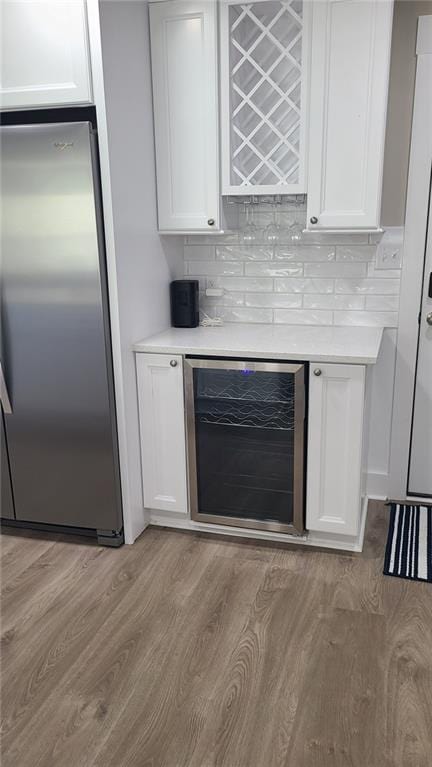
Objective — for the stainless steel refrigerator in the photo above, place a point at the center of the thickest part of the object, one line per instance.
(59, 443)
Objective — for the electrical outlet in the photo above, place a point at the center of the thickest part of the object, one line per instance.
(389, 250)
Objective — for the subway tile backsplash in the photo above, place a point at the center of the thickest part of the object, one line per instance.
(337, 269)
(243, 253)
(272, 269)
(368, 286)
(304, 279)
(355, 252)
(302, 317)
(273, 300)
(306, 285)
(333, 301)
(309, 253)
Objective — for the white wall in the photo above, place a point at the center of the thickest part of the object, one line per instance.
(144, 262)
(380, 417)
(413, 267)
(400, 105)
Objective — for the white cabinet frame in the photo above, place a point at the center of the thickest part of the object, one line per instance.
(227, 187)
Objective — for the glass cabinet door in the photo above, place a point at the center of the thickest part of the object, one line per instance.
(246, 443)
(264, 79)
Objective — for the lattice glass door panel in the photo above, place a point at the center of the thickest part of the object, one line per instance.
(263, 93)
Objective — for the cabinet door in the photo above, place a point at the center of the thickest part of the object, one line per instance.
(264, 81)
(336, 406)
(349, 82)
(184, 70)
(45, 58)
(162, 427)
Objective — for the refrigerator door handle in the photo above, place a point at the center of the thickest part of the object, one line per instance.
(4, 396)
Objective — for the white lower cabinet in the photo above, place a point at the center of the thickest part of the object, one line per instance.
(336, 409)
(334, 455)
(162, 428)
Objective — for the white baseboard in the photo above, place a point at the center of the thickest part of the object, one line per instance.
(314, 539)
(136, 526)
(377, 485)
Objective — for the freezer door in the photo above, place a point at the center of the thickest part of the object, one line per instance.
(55, 340)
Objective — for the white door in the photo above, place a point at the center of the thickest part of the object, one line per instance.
(420, 468)
(185, 97)
(162, 429)
(44, 58)
(335, 439)
(349, 81)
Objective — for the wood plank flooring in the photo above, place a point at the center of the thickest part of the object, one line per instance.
(187, 650)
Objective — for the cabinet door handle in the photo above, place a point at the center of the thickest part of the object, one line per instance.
(314, 220)
(211, 221)
(173, 363)
(429, 318)
(317, 372)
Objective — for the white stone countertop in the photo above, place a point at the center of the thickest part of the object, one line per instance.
(315, 343)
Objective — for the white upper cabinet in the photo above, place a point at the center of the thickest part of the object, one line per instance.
(303, 99)
(44, 57)
(350, 62)
(185, 97)
(264, 99)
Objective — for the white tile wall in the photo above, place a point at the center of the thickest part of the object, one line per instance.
(243, 253)
(368, 286)
(336, 269)
(210, 268)
(273, 300)
(305, 253)
(271, 269)
(355, 253)
(305, 285)
(333, 301)
(382, 303)
(302, 317)
(306, 278)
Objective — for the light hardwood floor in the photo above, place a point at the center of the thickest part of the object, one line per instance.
(191, 651)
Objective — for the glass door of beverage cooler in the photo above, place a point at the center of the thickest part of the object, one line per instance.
(246, 428)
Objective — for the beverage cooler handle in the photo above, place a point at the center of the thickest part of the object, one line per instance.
(4, 396)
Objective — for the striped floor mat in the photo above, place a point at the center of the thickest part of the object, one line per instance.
(409, 542)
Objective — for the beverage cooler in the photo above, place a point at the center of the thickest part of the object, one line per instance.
(246, 442)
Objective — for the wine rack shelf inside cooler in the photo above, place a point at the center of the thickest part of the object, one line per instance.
(246, 385)
(258, 415)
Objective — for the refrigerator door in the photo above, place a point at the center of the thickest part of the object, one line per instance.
(6, 496)
(55, 337)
